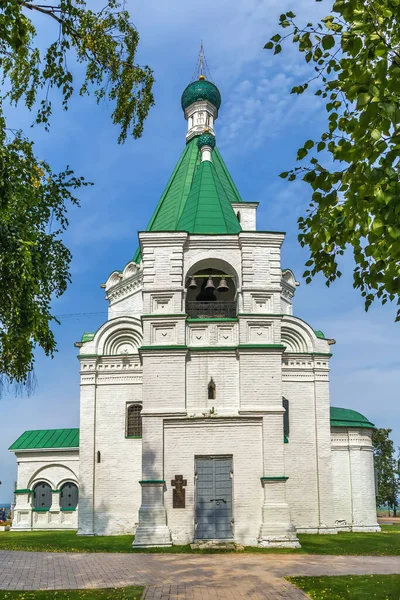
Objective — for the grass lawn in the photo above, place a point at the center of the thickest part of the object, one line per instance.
(351, 587)
(386, 543)
(127, 593)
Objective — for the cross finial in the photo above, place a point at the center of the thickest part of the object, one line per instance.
(201, 61)
(201, 69)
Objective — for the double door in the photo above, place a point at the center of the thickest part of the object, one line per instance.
(214, 498)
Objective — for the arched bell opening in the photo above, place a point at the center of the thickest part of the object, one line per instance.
(211, 293)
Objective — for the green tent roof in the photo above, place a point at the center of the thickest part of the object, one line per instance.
(345, 417)
(47, 438)
(173, 200)
(207, 208)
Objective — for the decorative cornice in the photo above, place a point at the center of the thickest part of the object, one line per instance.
(163, 316)
(124, 288)
(158, 348)
(279, 347)
(213, 320)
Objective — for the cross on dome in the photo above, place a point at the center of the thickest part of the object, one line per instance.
(200, 101)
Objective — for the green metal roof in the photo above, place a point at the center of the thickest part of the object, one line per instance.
(207, 209)
(47, 438)
(345, 417)
(87, 336)
(173, 200)
(319, 334)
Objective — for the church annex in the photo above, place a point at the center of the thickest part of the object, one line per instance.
(204, 402)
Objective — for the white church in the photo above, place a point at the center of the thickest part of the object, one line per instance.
(204, 402)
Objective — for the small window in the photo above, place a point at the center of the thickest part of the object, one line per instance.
(98, 456)
(212, 390)
(134, 421)
(69, 496)
(42, 496)
(285, 404)
(238, 215)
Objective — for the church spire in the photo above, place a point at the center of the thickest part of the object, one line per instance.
(200, 100)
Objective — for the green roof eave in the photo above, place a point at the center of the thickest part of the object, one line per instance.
(345, 417)
(319, 334)
(47, 439)
(88, 336)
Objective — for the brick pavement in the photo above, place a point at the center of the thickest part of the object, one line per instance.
(182, 576)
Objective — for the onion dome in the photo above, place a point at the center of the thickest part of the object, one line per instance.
(206, 139)
(201, 90)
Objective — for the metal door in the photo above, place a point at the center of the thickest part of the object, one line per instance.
(42, 496)
(214, 498)
(69, 496)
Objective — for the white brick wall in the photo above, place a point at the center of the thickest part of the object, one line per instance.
(354, 479)
(184, 440)
(54, 468)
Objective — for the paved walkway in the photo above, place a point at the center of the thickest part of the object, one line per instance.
(182, 576)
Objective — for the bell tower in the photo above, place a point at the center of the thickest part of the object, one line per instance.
(211, 354)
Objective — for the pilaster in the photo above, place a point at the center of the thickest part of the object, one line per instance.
(152, 529)
(276, 528)
(323, 449)
(87, 448)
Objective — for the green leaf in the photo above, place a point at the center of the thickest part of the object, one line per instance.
(269, 46)
(363, 99)
(328, 41)
(301, 153)
(284, 174)
(278, 49)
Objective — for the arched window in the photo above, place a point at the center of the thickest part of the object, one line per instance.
(134, 420)
(42, 496)
(285, 404)
(212, 390)
(69, 496)
(211, 293)
(238, 215)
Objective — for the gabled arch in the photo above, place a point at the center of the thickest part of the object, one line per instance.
(293, 340)
(298, 336)
(122, 335)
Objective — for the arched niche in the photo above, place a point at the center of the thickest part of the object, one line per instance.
(211, 289)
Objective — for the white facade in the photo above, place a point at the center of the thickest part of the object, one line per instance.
(255, 359)
(213, 393)
(54, 468)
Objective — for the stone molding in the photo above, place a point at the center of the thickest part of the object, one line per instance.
(124, 288)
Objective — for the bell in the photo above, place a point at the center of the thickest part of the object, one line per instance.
(192, 285)
(210, 284)
(223, 286)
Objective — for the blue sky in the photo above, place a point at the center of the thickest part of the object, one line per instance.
(258, 132)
